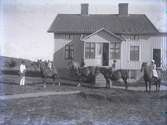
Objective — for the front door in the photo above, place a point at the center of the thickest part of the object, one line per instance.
(99, 54)
(105, 54)
(157, 57)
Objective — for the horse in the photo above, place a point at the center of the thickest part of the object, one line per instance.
(86, 74)
(148, 77)
(90, 73)
(111, 75)
(48, 72)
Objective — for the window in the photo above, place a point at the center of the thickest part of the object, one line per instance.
(69, 51)
(115, 49)
(89, 50)
(134, 53)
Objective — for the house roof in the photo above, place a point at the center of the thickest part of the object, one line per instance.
(104, 30)
(76, 23)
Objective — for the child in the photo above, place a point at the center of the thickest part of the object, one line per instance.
(154, 71)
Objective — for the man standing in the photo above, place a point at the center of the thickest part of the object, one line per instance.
(114, 65)
(22, 73)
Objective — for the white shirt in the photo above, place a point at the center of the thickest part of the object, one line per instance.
(22, 68)
(50, 65)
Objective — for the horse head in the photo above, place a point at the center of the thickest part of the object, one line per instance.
(74, 67)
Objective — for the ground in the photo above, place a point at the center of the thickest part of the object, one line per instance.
(90, 107)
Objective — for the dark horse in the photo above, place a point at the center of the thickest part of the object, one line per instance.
(148, 77)
(47, 72)
(109, 74)
(86, 74)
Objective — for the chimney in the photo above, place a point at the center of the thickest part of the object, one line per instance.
(84, 9)
(123, 9)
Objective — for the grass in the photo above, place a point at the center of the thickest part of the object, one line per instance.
(90, 107)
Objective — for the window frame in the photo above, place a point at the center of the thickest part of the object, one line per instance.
(90, 47)
(69, 51)
(135, 53)
(113, 50)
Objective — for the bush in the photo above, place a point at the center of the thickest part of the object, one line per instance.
(11, 64)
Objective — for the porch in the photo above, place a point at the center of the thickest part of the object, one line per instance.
(101, 48)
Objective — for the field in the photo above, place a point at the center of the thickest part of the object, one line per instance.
(89, 107)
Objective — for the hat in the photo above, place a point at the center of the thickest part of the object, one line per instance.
(152, 61)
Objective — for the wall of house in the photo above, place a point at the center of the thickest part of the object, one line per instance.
(145, 53)
(59, 56)
(146, 45)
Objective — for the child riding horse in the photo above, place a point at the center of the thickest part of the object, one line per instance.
(150, 76)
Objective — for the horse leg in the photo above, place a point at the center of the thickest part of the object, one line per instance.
(149, 86)
(110, 83)
(59, 83)
(156, 84)
(79, 82)
(126, 84)
(54, 79)
(107, 83)
(159, 84)
(44, 82)
(146, 86)
(56, 76)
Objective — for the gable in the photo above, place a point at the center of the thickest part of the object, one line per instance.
(102, 36)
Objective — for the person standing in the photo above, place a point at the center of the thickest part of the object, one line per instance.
(114, 65)
(22, 73)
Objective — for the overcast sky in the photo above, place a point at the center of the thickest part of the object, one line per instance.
(24, 23)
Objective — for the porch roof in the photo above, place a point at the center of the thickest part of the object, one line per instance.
(118, 38)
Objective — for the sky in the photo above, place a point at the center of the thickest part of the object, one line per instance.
(24, 23)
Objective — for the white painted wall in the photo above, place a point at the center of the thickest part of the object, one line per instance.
(146, 51)
(145, 44)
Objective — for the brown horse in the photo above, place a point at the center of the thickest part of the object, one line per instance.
(86, 74)
(148, 77)
(109, 74)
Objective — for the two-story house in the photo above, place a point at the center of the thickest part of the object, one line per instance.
(98, 39)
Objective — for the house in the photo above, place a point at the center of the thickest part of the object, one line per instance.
(98, 39)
